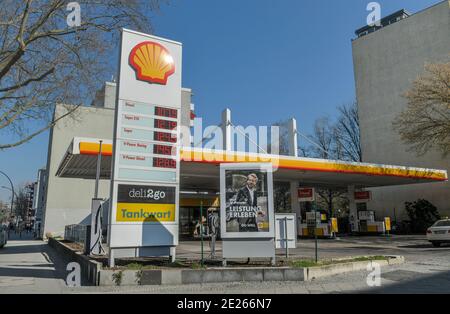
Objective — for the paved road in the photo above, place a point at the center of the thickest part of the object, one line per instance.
(31, 266)
(427, 270)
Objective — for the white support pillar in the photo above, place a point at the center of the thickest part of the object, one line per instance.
(293, 151)
(353, 215)
(226, 129)
(292, 131)
(111, 262)
(295, 204)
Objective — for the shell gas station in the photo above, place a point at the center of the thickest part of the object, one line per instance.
(200, 180)
(144, 150)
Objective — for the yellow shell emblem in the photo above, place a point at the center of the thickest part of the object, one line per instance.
(152, 62)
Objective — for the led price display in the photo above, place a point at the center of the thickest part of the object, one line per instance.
(164, 163)
(165, 124)
(164, 137)
(166, 112)
(163, 150)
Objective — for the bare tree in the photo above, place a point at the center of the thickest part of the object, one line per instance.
(284, 137)
(324, 139)
(3, 211)
(338, 140)
(347, 133)
(21, 201)
(45, 61)
(325, 146)
(425, 124)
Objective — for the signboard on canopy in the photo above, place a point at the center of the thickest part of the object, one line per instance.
(363, 196)
(306, 194)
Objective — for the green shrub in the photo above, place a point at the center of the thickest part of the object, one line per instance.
(422, 214)
(117, 277)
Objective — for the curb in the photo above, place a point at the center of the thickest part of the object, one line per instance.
(89, 269)
(200, 276)
(256, 274)
(98, 276)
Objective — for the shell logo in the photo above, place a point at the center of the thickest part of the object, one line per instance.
(152, 62)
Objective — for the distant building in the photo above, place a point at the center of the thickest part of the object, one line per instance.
(386, 21)
(39, 200)
(387, 60)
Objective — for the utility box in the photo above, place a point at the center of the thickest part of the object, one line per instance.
(285, 231)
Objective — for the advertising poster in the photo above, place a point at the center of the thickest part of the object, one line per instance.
(247, 199)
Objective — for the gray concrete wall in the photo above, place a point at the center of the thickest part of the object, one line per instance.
(386, 62)
(68, 200)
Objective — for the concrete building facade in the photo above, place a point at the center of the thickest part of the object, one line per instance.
(39, 200)
(386, 62)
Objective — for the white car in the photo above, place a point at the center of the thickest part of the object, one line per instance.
(439, 232)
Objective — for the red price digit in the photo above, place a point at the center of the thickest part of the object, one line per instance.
(165, 124)
(164, 137)
(162, 150)
(166, 112)
(164, 163)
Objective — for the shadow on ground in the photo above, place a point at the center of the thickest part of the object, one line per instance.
(413, 282)
(25, 263)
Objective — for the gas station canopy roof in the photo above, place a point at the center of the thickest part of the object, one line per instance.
(80, 159)
(200, 168)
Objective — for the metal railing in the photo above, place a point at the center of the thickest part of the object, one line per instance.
(76, 233)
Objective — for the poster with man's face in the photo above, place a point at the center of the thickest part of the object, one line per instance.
(246, 200)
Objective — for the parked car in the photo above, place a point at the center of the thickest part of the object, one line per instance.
(3, 235)
(439, 232)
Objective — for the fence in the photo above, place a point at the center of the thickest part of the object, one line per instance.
(76, 233)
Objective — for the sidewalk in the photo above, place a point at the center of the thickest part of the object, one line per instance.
(30, 266)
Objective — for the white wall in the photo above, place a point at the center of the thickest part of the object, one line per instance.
(386, 62)
(68, 200)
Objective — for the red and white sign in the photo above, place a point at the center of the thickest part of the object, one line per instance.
(306, 195)
(363, 196)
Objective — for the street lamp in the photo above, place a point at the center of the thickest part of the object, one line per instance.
(12, 190)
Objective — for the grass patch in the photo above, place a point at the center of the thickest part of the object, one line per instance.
(196, 265)
(141, 266)
(370, 258)
(134, 266)
(138, 266)
(311, 263)
(177, 264)
(303, 263)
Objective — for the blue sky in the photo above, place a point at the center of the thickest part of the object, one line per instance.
(267, 60)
